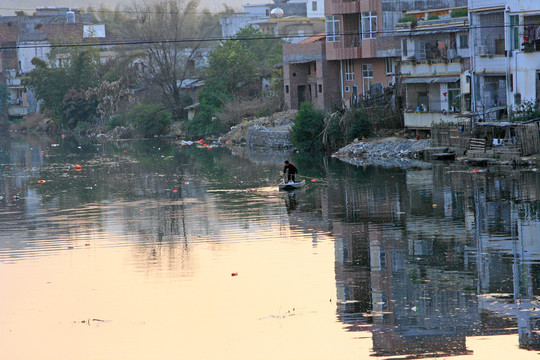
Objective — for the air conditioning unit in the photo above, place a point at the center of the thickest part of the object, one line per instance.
(391, 83)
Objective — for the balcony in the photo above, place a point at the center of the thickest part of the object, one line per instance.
(351, 47)
(13, 81)
(424, 120)
(432, 66)
(17, 110)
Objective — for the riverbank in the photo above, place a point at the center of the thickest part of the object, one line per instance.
(392, 151)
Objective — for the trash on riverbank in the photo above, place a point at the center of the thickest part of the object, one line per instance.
(386, 152)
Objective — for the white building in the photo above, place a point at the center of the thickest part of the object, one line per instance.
(434, 67)
(253, 13)
(522, 24)
(488, 60)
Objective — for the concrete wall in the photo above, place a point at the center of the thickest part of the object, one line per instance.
(525, 67)
(28, 50)
(267, 137)
(415, 120)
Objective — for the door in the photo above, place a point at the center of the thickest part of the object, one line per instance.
(301, 94)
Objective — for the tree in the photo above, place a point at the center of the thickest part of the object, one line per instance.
(308, 128)
(171, 37)
(232, 65)
(49, 85)
(74, 92)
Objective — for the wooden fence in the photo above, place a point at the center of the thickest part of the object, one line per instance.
(455, 136)
(529, 138)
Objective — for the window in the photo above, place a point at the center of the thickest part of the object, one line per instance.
(369, 24)
(404, 48)
(499, 46)
(286, 89)
(332, 29)
(453, 97)
(314, 5)
(349, 70)
(464, 41)
(389, 66)
(347, 89)
(514, 22)
(320, 88)
(367, 77)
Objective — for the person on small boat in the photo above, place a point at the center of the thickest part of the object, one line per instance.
(290, 170)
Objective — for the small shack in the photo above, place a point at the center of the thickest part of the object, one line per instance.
(505, 140)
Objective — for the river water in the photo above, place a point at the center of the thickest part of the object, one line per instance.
(153, 250)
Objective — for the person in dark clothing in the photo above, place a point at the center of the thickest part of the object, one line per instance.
(291, 171)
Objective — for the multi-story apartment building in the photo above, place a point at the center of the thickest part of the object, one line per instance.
(307, 76)
(522, 33)
(354, 36)
(434, 66)
(488, 60)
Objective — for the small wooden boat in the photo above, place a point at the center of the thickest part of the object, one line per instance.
(292, 185)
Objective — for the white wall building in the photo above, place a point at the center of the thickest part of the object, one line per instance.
(488, 61)
(522, 20)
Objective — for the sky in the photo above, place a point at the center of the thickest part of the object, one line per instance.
(8, 7)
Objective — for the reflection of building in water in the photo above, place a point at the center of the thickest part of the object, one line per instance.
(421, 305)
(508, 254)
(448, 257)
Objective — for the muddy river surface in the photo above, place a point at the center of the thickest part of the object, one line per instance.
(154, 250)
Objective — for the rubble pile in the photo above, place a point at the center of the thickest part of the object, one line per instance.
(386, 152)
(239, 133)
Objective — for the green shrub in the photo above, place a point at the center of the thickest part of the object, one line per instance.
(433, 17)
(525, 111)
(360, 125)
(459, 13)
(116, 120)
(406, 18)
(150, 119)
(307, 129)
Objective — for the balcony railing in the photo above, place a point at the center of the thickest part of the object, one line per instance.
(352, 40)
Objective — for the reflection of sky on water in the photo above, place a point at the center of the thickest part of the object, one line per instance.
(364, 261)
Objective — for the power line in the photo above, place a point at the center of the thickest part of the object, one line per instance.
(398, 32)
(126, 11)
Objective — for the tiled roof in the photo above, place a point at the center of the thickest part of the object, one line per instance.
(313, 39)
(8, 32)
(67, 31)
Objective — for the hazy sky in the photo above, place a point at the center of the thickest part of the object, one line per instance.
(8, 7)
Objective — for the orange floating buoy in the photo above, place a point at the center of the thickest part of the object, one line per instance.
(175, 191)
(41, 181)
(78, 167)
